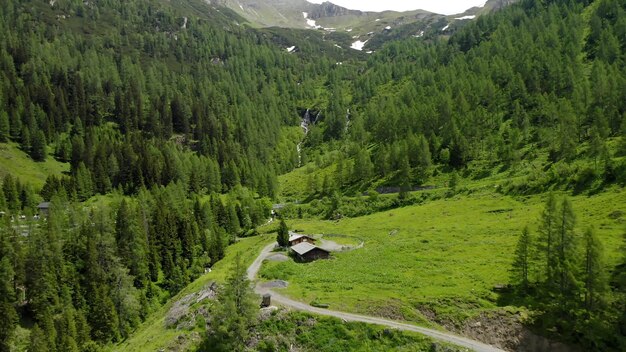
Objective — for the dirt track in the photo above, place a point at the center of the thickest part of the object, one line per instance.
(439, 335)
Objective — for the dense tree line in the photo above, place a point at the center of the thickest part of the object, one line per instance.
(144, 83)
(88, 276)
(563, 273)
(527, 77)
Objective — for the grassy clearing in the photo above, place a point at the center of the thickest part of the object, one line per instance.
(152, 334)
(445, 255)
(306, 332)
(16, 162)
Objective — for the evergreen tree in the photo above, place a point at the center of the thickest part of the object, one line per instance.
(547, 239)
(594, 272)
(283, 234)
(11, 195)
(7, 293)
(234, 314)
(521, 262)
(4, 127)
(566, 248)
(38, 340)
(38, 146)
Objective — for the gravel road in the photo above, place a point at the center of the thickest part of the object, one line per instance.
(436, 334)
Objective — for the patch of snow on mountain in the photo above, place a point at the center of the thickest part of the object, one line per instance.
(349, 30)
(305, 15)
(291, 49)
(185, 22)
(338, 46)
(419, 35)
(358, 45)
(378, 20)
(388, 27)
(444, 28)
(470, 17)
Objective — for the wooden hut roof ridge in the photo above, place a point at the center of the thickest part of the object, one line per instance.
(294, 236)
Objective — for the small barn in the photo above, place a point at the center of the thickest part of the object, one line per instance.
(307, 252)
(44, 208)
(295, 239)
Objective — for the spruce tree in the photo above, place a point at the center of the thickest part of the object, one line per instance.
(7, 293)
(4, 127)
(521, 262)
(234, 314)
(547, 239)
(38, 146)
(594, 272)
(283, 234)
(566, 249)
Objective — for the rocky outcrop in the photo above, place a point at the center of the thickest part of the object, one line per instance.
(328, 9)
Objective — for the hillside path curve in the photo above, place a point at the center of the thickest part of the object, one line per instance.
(288, 302)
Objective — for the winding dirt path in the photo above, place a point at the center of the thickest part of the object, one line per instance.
(439, 335)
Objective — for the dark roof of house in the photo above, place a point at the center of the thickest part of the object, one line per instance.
(44, 205)
(305, 247)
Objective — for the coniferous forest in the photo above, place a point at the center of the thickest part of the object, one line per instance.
(176, 118)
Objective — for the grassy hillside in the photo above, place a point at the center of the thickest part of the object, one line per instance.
(444, 256)
(16, 162)
(152, 334)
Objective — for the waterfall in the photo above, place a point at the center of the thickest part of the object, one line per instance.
(304, 124)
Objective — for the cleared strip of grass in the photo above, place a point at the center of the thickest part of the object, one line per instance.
(19, 164)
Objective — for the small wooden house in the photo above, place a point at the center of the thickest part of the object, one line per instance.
(307, 252)
(295, 239)
(44, 208)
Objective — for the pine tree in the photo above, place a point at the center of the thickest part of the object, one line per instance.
(594, 272)
(566, 256)
(38, 146)
(4, 127)
(38, 340)
(234, 314)
(404, 177)
(283, 234)
(7, 293)
(521, 262)
(547, 239)
(11, 195)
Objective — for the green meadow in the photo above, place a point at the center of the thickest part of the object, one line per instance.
(443, 256)
(16, 162)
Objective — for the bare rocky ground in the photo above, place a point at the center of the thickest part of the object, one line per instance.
(181, 315)
(503, 330)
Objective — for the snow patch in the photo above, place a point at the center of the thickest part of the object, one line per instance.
(388, 27)
(358, 45)
(337, 46)
(444, 28)
(419, 35)
(291, 49)
(470, 17)
(378, 20)
(305, 15)
(349, 30)
(241, 7)
(369, 52)
(185, 19)
(52, 2)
